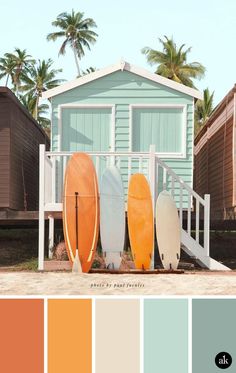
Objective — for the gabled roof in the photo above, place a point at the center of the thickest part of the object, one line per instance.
(216, 113)
(5, 91)
(120, 66)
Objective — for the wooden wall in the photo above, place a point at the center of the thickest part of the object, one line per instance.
(4, 152)
(20, 188)
(213, 163)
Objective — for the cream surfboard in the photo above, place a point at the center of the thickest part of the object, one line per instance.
(168, 230)
(112, 217)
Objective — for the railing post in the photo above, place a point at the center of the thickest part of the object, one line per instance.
(152, 173)
(207, 224)
(41, 206)
(152, 181)
(50, 236)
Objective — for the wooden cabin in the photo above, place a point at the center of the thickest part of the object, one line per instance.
(215, 159)
(140, 121)
(20, 136)
(126, 108)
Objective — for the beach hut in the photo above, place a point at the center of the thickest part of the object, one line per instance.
(20, 136)
(215, 160)
(136, 119)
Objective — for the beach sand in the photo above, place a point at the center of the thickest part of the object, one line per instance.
(51, 283)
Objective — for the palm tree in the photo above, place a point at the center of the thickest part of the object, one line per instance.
(21, 61)
(30, 101)
(89, 70)
(40, 78)
(77, 33)
(6, 69)
(172, 62)
(203, 109)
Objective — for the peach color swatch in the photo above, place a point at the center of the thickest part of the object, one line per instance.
(69, 335)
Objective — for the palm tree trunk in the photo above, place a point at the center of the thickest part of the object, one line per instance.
(76, 59)
(8, 75)
(36, 108)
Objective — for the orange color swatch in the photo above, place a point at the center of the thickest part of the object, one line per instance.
(21, 335)
(69, 335)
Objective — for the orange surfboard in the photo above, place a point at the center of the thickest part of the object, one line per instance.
(81, 178)
(140, 221)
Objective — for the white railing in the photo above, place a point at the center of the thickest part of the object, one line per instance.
(160, 176)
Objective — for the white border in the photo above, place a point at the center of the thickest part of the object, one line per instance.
(182, 154)
(93, 334)
(45, 317)
(87, 106)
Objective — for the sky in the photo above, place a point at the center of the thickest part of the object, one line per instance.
(124, 27)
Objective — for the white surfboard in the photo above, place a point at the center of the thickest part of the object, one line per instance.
(112, 217)
(168, 230)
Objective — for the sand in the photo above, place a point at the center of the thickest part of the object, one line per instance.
(48, 283)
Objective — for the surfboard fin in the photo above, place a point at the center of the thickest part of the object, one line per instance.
(76, 267)
(177, 255)
(162, 256)
(170, 266)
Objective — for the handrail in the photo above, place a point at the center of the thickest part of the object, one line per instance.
(177, 178)
(53, 165)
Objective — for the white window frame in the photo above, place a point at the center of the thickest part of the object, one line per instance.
(183, 152)
(87, 106)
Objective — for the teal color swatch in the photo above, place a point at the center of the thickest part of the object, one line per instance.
(214, 331)
(166, 336)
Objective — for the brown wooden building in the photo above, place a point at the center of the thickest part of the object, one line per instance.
(215, 159)
(20, 136)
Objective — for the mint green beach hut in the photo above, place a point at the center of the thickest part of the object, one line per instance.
(139, 120)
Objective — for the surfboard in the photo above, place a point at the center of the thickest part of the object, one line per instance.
(168, 230)
(140, 221)
(80, 177)
(112, 217)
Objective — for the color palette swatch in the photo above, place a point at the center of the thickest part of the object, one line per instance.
(22, 335)
(69, 335)
(214, 331)
(117, 336)
(165, 335)
(103, 335)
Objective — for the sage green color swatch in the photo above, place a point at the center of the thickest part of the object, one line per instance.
(165, 335)
(214, 331)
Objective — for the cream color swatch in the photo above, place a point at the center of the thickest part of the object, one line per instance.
(117, 336)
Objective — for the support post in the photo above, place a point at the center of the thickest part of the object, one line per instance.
(51, 237)
(152, 181)
(207, 224)
(41, 206)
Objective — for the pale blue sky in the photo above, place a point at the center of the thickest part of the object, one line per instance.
(124, 27)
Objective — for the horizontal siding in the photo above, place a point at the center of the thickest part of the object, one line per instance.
(24, 176)
(4, 152)
(123, 89)
(214, 169)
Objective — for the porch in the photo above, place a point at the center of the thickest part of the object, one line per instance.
(160, 176)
